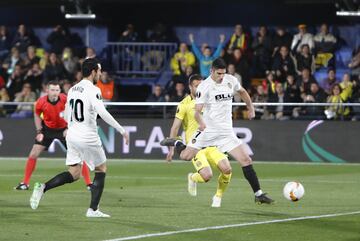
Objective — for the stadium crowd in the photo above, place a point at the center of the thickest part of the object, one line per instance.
(274, 66)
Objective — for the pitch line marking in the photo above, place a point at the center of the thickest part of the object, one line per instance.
(232, 226)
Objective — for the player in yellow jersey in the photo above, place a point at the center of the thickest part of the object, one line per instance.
(205, 159)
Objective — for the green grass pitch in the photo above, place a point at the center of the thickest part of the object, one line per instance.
(148, 197)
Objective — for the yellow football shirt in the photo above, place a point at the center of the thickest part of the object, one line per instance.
(185, 111)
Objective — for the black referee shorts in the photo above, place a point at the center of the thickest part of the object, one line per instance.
(50, 135)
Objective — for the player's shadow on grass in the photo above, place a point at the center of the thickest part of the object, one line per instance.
(263, 213)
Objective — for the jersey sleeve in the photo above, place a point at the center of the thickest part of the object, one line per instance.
(237, 85)
(181, 111)
(38, 107)
(98, 104)
(201, 93)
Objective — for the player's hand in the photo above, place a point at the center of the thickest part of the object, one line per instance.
(202, 126)
(126, 137)
(191, 37)
(39, 137)
(251, 114)
(222, 38)
(170, 155)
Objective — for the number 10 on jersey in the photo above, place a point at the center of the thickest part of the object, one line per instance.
(77, 109)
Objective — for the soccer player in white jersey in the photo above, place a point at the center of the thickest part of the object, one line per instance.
(84, 103)
(214, 98)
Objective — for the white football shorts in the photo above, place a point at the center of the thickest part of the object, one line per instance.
(225, 141)
(92, 154)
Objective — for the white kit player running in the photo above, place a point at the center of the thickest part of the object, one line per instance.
(213, 112)
(84, 103)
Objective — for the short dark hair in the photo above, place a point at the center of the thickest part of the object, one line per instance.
(53, 82)
(218, 63)
(88, 66)
(194, 77)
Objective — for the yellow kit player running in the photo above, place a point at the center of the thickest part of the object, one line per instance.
(205, 158)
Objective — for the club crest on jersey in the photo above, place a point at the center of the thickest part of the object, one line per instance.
(229, 85)
(98, 96)
(198, 94)
(223, 97)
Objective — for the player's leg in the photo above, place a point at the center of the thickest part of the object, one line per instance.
(186, 152)
(85, 169)
(69, 176)
(85, 172)
(240, 154)
(203, 172)
(96, 159)
(30, 166)
(220, 160)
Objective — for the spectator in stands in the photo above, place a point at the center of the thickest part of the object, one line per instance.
(66, 87)
(2, 81)
(182, 59)
(260, 97)
(281, 38)
(30, 57)
(15, 82)
(346, 85)
(337, 111)
(239, 39)
(269, 84)
(70, 62)
(354, 64)
(205, 59)
(25, 95)
(107, 86)
(156, 96)
(279, 112)
(54, 69)
(22, 39)
(231, 70)
(283, 64)
(13, 60)
(34, 77)
(292, 90)
(303, 37)
(77, 77)
(261, 52)
(4, 97)
(5, 43)
(241, 66)
(325, 44)
(129, 34)
(58, 39)
(304, 59)
(179, 93)
(160, 33)
(44, 60)
(304, 82)
(90, 53)
(316, 95)
(328, 83)
(183, 78)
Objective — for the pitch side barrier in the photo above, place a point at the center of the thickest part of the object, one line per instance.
(266, 140)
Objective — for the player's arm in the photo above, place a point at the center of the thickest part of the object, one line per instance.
(38, 122)
(107, 117)
(198, 116)
(246, 98)
(173, 133)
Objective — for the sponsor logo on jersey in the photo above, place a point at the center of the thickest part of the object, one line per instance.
(223, 97)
